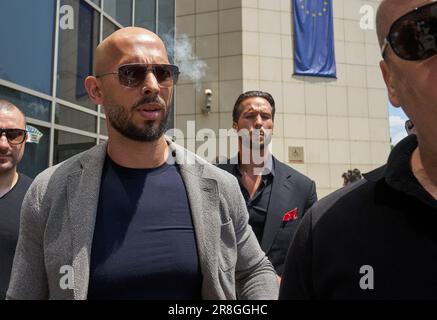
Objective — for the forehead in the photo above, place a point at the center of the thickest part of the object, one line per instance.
(11, 119)
(255, 103)
(140, 49)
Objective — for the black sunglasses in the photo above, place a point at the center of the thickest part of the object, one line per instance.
(133, 75)
(14, 136)
(414, 35)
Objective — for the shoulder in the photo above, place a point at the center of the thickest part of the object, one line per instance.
(284, 169)
(344, 206)
(220, 174)
(55, 177)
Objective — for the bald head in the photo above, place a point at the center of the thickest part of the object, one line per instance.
(125, 42)
(6, 106)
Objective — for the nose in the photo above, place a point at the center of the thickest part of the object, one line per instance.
(151, 86)
(258, 121)
(4, 144)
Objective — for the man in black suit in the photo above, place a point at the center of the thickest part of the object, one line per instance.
(276, 195)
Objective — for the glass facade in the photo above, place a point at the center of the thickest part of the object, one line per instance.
(46, 58)
(26, 53)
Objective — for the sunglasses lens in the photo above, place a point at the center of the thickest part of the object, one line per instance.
(166, 75)
(135, 74)
(132, 75)
(414, 36)
(15, 136)
(163, 75)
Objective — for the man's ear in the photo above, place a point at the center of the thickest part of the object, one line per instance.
(235, 126)
(388, 79)
(93, 89)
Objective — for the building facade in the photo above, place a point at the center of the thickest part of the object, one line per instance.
(323, 127)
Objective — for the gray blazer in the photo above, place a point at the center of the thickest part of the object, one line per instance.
(57, 224)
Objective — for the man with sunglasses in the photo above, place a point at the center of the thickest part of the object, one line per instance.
(137, 217)
(377, 238)
(13, 185)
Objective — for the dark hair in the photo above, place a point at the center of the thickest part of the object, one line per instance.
(252, 94)
(351, 176)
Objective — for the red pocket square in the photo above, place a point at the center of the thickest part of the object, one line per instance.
(290, 215)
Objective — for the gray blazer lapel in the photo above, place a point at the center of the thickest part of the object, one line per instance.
(204, 203)
(82, 197)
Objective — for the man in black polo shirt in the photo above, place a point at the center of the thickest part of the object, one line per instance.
(13, 185)
(377, 239)
(276, 195)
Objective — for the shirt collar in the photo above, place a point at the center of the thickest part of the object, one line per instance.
(398, 173)
(267, 170)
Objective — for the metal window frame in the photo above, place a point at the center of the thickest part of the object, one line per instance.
(52, 98)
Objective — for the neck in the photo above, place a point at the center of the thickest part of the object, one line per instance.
(424, 167)
(8, 180)
(257, 159)
(137, 154)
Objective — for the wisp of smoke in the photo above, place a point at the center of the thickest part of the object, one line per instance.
(190, 66)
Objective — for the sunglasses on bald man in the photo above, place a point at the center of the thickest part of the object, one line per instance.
(133, 75)
(14, 136)
(414, 35)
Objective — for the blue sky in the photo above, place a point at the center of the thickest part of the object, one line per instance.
(397, 124)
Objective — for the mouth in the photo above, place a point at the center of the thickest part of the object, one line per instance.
(150, 111)
(4, 158)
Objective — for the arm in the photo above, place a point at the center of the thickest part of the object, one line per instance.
(254, 274)
(28, 276)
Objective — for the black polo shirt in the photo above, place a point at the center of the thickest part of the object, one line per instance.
(376, 239)
(257, 205)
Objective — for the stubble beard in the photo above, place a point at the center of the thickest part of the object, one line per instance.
(148, 131)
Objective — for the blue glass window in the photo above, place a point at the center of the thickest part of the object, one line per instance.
(145, 14)
(36, 152)
(75, 119)
(26, 46)
(31, 106)
(119, 10)
(108, 28)
(68, 144)
(76, 53)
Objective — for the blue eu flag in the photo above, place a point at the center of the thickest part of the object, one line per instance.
(314, 38)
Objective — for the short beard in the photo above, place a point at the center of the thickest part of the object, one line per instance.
(120, 120)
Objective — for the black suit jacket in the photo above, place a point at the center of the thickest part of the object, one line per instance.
(290, 190)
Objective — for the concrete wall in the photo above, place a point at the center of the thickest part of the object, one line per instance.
(248, 45)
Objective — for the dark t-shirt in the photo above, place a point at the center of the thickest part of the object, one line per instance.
(10, 206)
(144, 243)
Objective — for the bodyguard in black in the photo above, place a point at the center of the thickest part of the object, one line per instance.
(13, 186)
(377, 239)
